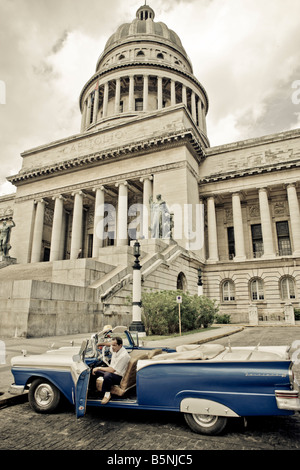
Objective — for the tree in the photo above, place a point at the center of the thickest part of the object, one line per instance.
(160, 312)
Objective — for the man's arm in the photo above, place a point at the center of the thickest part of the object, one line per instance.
(103, 369)
(107, 343)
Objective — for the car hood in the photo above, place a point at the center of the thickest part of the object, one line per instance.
(62, 356)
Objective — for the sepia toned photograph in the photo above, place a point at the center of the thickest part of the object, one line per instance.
(150, 227)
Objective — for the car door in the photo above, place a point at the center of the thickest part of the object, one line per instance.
(82, 373)
(81, 392)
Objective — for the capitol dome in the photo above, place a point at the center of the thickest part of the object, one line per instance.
(143, 69)
(145, 26)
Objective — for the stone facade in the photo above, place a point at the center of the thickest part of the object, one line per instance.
(82, 200)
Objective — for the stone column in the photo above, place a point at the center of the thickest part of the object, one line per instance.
(117, 96)
(83, 119)
(57, 228)
(38, 232)
(238, 228)
(200, 114)
(147, 193)
(131, 93)
(193, 99)
(88, 111)
(76, 241)
(212, 230)
(266, 224)
(184, 97)
(204, 120)
(159, 93)
(96, 104)
(105, 99)
(98, 221)
(122, 235)
(201, 235)
(145, 93)
(294, 217)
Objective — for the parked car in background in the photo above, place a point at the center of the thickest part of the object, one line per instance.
(209, 383)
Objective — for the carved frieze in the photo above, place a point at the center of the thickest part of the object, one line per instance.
(279, 208)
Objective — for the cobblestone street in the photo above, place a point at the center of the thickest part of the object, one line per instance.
(116, 430)
(121, 430)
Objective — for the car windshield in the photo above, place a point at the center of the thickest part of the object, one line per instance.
(91, 350)
(124, 336)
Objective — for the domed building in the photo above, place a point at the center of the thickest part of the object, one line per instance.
(143, 69)
(141, 168)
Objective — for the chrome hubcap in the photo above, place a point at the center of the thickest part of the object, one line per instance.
(205, 420)
(44, 395)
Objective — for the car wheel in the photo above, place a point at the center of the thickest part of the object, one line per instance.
(205, 424)
(43, 396)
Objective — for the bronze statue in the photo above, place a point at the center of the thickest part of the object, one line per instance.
(161, 219)
(5, 232)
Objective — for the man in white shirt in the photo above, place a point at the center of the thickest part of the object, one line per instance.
(112, 374)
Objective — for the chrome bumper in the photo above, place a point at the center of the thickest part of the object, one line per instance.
(288, 400)
(16, 389)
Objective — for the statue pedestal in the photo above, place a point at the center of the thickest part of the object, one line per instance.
(6, 261)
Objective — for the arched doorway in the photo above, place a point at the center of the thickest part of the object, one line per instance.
(181, 282)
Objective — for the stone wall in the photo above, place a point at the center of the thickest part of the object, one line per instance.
(32, 308)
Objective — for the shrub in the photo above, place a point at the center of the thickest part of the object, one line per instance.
(297, 314)
(160, 312)
(205, 310)
(222, 318)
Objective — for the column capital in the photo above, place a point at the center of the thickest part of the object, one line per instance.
(119, 183)
(79, 192)
(263, 189)
(101, 187)
(58, 196)
(41, 200)
(150, 178)
(291, 185)
(240, 194)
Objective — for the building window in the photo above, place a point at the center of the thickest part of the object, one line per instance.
(231, 246)
(140, 54)
(257, 241)
(283, 238)
(257, 289)
(181, 282)
(121, 107)
(139, 104)
(90, 245)
(287, 288)
(160, 56)
(228, 291)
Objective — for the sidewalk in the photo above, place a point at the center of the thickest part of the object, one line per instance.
(15, 346)
(204, 336)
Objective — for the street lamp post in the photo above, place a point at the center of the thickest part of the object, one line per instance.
(200, 283)
(137, 324)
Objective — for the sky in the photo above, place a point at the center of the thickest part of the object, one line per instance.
(245, 53)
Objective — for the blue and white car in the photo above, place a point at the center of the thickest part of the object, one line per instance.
(209, 383)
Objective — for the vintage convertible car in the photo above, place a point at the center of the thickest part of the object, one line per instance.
(209, 383)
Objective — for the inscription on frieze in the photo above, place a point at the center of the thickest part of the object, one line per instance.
(91, 144)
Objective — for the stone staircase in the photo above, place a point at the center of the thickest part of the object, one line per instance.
(115, 289)
(67, 296)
